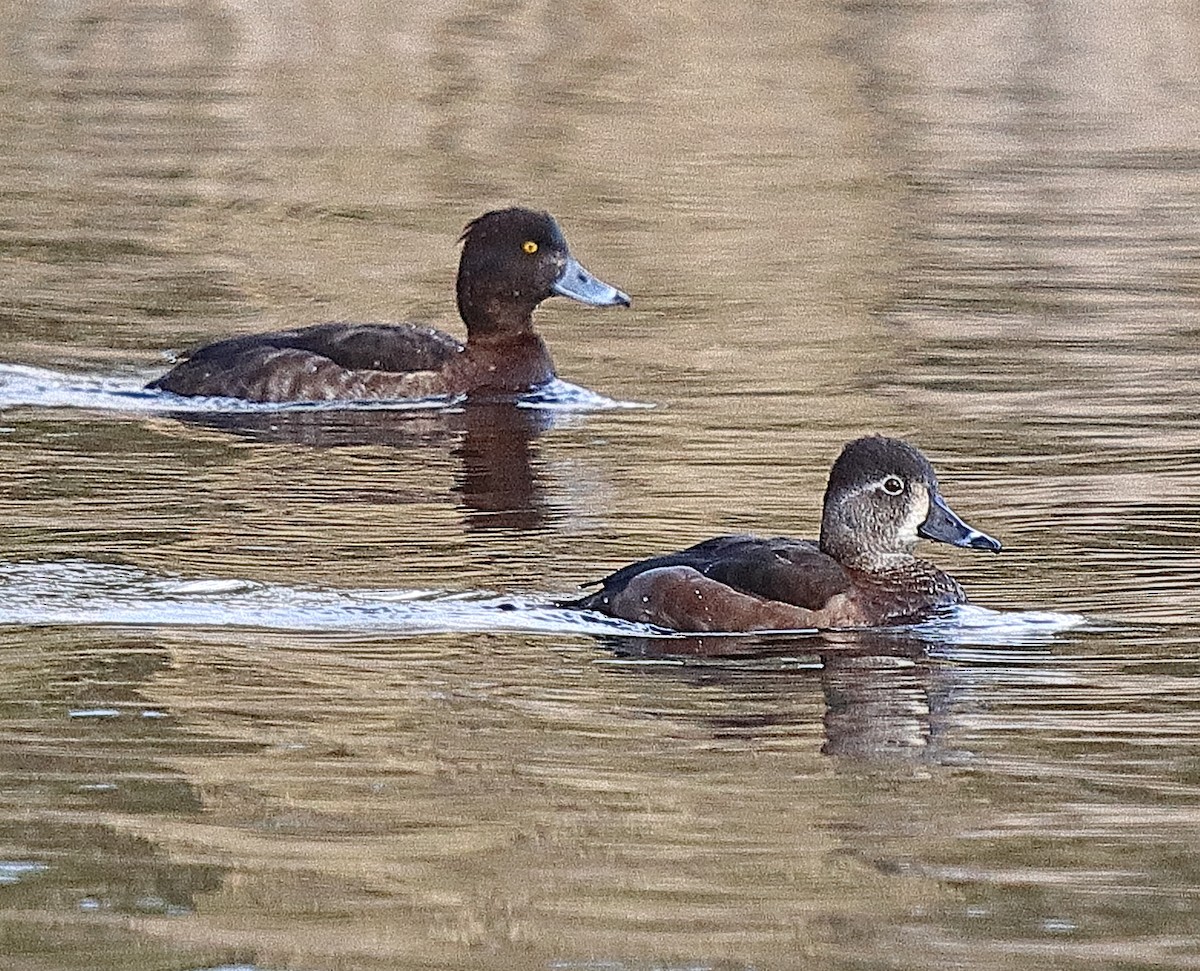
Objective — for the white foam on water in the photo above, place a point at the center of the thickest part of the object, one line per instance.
(23, 385)
(13, 871)
(970, 624)
(88, 593)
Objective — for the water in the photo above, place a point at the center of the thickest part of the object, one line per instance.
(288, 688)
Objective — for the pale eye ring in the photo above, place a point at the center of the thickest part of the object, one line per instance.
(529, 246)
(893, 485)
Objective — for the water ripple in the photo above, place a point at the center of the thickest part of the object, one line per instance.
(83, 592)
(23, 385)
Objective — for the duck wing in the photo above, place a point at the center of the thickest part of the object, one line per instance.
(792, 571)
(398, 348)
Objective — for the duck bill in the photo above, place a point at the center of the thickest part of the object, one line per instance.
(578, 284)
(943, 526)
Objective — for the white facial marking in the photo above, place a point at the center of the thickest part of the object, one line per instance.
(917, 514)
(918, 509)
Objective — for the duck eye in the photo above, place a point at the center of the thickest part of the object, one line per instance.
(893, 486)
(529, 246)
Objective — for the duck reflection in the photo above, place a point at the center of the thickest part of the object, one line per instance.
(882, 696)
(498, 480)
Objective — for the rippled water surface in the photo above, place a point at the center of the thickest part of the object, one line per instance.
(288, 688)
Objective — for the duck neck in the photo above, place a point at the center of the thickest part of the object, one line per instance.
(507, 362)
(845, 545)
(492, 312)
(873, 561)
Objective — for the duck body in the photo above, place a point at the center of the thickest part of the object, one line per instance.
(512, 260)
(358, 362)
(882, 496)
(745, 583)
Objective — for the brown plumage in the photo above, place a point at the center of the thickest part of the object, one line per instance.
(512, 260)
(882, 495)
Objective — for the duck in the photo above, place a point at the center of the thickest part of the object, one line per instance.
(512, 259)
(881, 498)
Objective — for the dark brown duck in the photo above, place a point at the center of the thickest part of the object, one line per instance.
(882, 496)
(512, 260)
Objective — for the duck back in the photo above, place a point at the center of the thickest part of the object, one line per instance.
(321, 363)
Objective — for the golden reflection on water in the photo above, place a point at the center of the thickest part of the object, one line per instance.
(973, 225)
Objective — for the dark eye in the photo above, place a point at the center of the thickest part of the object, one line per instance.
(529, 246)
(893, 486)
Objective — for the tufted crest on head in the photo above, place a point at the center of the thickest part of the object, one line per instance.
(512, 260)
(514, 224)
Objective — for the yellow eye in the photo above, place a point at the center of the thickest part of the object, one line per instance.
(529, 246)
